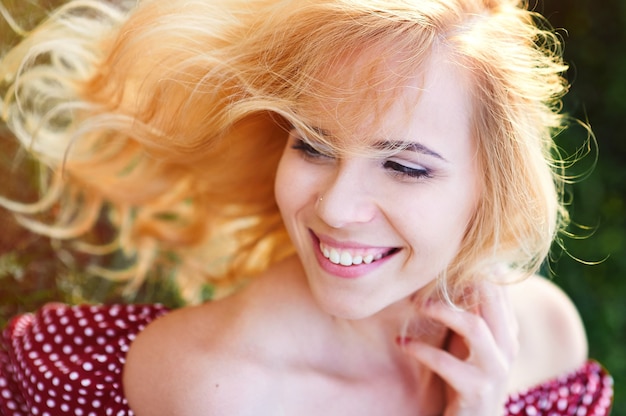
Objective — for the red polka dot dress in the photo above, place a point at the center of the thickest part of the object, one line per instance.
(68, 361)
(586, 392)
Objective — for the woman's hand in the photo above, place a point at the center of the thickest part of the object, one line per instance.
(476, 360)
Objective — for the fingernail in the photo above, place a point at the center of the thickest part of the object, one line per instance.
(401, 341)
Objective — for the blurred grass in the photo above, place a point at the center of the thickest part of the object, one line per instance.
(35, 270)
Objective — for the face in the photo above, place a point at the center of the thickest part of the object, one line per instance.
(371, 230)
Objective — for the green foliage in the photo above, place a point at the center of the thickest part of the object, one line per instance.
(594, 37)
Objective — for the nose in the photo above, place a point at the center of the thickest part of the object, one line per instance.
(347, 197)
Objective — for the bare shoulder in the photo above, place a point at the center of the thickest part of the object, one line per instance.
(552, 336)
(204, 359)
(190, 362)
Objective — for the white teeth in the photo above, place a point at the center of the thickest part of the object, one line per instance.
(346, 258)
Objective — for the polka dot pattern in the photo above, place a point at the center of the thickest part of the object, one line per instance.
(68, 360)
(586, 392)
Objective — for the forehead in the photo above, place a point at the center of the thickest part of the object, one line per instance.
(376, 95)
(354, 89)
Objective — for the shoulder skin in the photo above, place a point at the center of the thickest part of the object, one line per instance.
(205, 358)
(551, 333)
(169, 370)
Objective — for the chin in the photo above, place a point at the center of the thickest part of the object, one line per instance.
(350, 309)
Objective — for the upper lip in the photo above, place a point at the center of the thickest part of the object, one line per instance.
(347, 245)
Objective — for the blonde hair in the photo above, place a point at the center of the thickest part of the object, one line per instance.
(170, 116)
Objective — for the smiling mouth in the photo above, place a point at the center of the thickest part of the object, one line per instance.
(354, 257)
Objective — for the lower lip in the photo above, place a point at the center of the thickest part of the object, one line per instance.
(347, 272)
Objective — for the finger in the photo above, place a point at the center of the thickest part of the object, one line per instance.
(497, 311)
(471, 327)
(455, 372)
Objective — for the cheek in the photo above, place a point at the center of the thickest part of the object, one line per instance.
(293, 185)
(439, 219)
(282, 186)
(462, 212)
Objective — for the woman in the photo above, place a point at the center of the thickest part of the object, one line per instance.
(375, 176)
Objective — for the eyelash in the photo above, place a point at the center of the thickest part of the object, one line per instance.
(398, 169)
(307, 150)
(395, 168)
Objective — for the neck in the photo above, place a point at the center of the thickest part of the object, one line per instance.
(370, 346)
(374, 336)
(351, 350)
(378, 334)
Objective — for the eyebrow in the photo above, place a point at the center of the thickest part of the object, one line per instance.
(393, 145)
(410, 146)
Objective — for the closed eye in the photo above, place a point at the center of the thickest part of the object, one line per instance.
(404, 171)
(308, 150)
